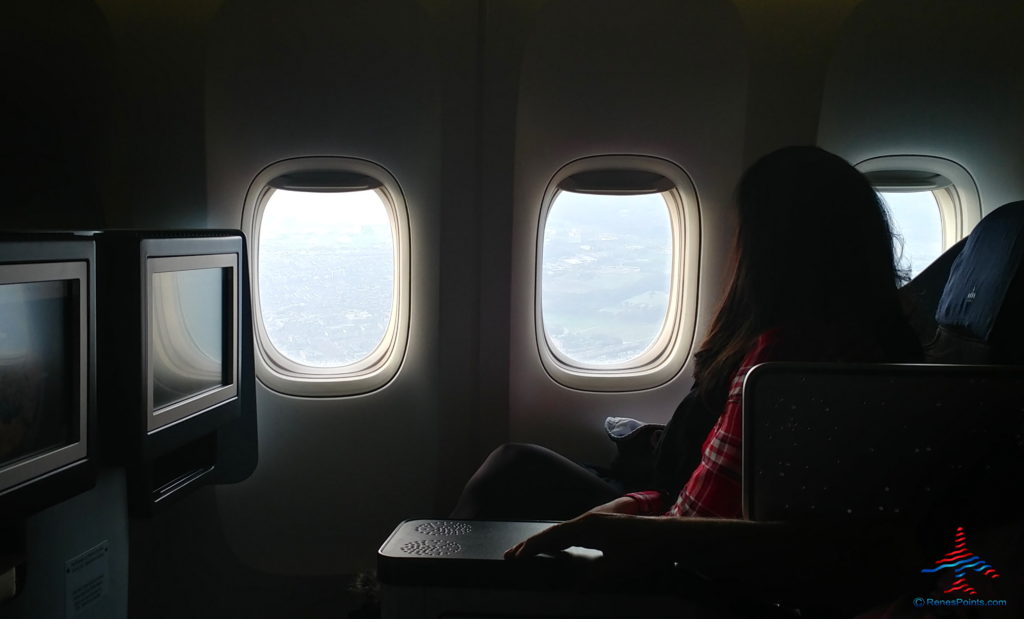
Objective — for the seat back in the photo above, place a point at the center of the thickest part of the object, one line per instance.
(837, 440)
(979, 314)
(920, 296)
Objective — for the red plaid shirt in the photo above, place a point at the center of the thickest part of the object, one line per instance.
(714, 489)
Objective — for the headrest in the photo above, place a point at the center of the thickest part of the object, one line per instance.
(982, 274)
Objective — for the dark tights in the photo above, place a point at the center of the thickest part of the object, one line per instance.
(529, 482)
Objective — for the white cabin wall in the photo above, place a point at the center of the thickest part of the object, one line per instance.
(502, 29)
(59, 81)
(932, 77)
(789, 48)
(156, 165)
(467, 374)
(354, 79)
(661, 79)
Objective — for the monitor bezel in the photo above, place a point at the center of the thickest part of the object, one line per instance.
(24, 471)
(159, 418)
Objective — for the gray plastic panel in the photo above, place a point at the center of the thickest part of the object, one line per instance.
(458, 539)
(469, 553)
(834, 440)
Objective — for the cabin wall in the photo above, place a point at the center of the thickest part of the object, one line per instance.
(57, 58)
(789, 46)
(359, 80)
(174, 108)
(932, 77)
(663, 80)
(157, 138)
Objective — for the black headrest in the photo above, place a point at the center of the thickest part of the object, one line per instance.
(983, 273)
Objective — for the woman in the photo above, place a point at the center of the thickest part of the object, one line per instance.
(815, 279)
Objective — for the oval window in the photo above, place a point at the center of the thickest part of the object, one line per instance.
(330, 276)
(616, 288)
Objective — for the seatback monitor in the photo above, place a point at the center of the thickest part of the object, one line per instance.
(191, 335)
(45, 371)
(173, 376)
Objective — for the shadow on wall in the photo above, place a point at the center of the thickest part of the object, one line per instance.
(56, 60)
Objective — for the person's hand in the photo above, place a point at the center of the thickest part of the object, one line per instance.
(571, 528)
(602, 531)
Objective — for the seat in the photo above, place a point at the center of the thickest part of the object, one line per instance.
(938, 445)
(830, 440)
(978, 316)
(920, 296)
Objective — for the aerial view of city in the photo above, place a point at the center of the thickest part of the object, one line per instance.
(605, 275)
(326, 275)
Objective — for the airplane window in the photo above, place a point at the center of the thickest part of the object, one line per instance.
(617, 273)
(326, 275)
(916, 216)
(932, 202)
(330, 275)
(606, 276)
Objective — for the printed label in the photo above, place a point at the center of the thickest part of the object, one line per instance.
(86, 579)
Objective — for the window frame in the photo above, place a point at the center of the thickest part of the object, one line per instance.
(955, 191)
(275, 369)
(671, 348)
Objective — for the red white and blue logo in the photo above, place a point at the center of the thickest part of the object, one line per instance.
(959, 561)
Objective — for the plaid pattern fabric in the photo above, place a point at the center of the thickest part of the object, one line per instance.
(714, 489)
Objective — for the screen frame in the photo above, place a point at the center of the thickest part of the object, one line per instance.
(158, 418)
(25, 470)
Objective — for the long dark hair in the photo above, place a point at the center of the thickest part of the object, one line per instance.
(814, 247)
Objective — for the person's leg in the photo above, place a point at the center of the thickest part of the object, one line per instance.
(529, 482)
